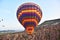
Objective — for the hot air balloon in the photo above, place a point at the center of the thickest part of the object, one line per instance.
(29, 15)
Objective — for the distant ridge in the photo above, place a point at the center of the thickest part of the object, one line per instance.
(9, 31)
(48, 22)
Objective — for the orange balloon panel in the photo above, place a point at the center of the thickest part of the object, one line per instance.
(30, 29)
(29, 15)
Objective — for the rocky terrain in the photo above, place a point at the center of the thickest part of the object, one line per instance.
(48, 30)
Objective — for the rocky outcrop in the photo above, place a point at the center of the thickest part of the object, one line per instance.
(49, 30)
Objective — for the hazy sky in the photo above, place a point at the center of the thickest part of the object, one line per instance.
(8, 8)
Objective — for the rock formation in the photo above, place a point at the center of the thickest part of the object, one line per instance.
(49, 30)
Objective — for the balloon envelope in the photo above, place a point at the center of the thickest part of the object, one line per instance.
(29, 15)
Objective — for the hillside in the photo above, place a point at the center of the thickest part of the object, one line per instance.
(48, 30)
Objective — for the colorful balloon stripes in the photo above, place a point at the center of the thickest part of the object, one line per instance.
(29, 15)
